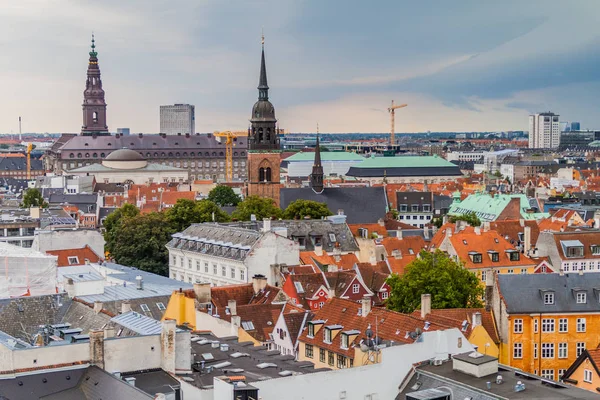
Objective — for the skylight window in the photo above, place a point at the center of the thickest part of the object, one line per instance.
(144, 307)
(247, 325)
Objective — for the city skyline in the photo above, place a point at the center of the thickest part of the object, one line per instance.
(340, 67)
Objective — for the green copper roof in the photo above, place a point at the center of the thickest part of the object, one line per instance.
(326, 156)
(488, 207)
(404, 161)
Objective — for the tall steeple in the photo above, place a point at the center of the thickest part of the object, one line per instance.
(316, 177)
(263, 132)
(94, 106)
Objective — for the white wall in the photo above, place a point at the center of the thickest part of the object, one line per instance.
(271, 249)
(218, 326)
(38, 357)
(285, 345)
(132, 353)
(68, 239)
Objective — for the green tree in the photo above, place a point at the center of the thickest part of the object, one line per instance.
(471, 218)
(300, 208)
(223, 196)
(33, 198)
(261, 207)
(140, 242)
(323, 148)
(113, 222)
(450, 285)
(186, 212)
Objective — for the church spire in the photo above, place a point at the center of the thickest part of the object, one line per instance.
(263, 87)
(316, 177)
(94, 106)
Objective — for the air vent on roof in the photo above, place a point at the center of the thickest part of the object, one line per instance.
(208, 356)
(238, 355)
(266, 365)
(214, 344)
(222, 365)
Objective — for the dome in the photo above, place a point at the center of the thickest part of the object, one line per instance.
(124, 155)
(263, 110)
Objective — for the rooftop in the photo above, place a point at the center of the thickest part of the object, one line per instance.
(325, 156)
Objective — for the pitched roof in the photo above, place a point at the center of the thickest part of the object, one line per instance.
(461, 314)
(389, 325)
(587, 239)
(343, 261)
(374, 276)
(243, 295)
(510, 229)
(294, 320)
(593, 355)
(490, 208)
(307, 284)
(381, 231)
(410, 245)
(525, 293)
(82, 255)
(340, 281)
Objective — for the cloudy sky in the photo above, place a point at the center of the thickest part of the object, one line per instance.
(463, 65)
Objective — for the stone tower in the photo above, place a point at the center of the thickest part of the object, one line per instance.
(263, 143)
(316, 177)
(94, 106)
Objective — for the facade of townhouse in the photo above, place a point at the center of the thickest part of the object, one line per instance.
(571, 252)
(585, 371)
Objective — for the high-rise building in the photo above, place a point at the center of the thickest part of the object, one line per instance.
(94, 106)
(263, 143)
(575, 126)
(544, 131)
(178, 119)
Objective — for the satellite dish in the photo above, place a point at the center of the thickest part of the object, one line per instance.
(418, 331)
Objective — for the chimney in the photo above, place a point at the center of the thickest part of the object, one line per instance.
(266, 225)
(366, 305)
(381, 222)
(35, 212)
(521, 222)
(70, 288)
(397, 254)
(561, 272)
(109, 332)
(236, 322)
(448, 232)
(330, 293)
(202, 292)
(580, 271)
(478, 231)
(332, 268)
(476, 319)
(125, 306)
(596, 223)
(232, 305)
(167, 345)
(399, 234)
(139, 282)
(426, 233)
(97, 306)
(340, 211)
(97, 348)
(140, 134)
(444, 219)
(130, 380)
(373, 259)
(489, 289)
(259, 283)
(527, 239)
(425, 305)
(486, 226)
(318, 250)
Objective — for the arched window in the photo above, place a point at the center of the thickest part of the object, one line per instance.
(95, 155)
(268, 135)
(260, 134)
(87, 155)
(207, 154)
(192, 154)
(95, 116)
(235, 153)
(214, 154)
(261, 175)
(221, 154)
(147, 155)
(170, 154)
(185, 154)
(102, 155)
(71, 155)
(243, 153)
(177, 154)
(155, 154)
(268, 174)
(78, 155)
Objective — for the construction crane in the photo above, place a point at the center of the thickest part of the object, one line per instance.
(29, 148)
(392, 112)
(229, 139)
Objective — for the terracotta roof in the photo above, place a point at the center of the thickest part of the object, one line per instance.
(561, 220)
(409, 245)
(587, 239)
(461, 314)
(440, 235)
(170, 198)
(343, 261)
(595, 357)
(293, 320)
(339, 281)
(397, 265)
(371, 228)
(302, 269)
(467, 241)
(389, 325)
(243, 295)
(510, 229)
(310, 284)
(374, 276)
(82, 254)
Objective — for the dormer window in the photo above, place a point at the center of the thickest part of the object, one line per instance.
(403, 207)
(549, 298)
(513, 255)
(572, 248)
(327, 335)
(581, 297)
(475, 257)
(344, 341)
(596, 249)
(494, 256)
(415, 208)
(311, 330)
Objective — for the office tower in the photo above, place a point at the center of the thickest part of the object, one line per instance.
(544, 131)
(177, 119)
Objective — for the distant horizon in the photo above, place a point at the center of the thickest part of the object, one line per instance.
(461, 66)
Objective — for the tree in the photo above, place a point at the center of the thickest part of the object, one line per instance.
(450, 285)
(223, 196)
(33, 198)
(140, 242)
(113, 222)
(323, 148)
(186, 212)
(471, 218)
(261, 207)
(300, 208)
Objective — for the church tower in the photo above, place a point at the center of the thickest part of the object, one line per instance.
(316, 177)
(263, 143)
(94, 106)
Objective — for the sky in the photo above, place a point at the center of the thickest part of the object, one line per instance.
(462, 65)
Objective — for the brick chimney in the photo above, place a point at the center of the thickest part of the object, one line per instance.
(366, 305)
(97, 348)
(259, 282)
(97, 307)
(202, 292)
(125, 306)
(167, 345)
(425, 305)
(232, 305)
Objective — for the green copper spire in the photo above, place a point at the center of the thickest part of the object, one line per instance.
(93, 53)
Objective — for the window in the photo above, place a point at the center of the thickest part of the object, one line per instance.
(563, 350)
(563, 325)
(575, 251)
(547, 350)
(535, 325)
(341, 361)
(344, 341)
(161, 306)
(189, 263)
(144, 308)
(242, 275)
(414, 208)
(596, 249)
(580, 324)
(197, 265)
(403, 207)
(495, 256)
(232, 270)
(535, 350)
(327, 335)
(587, 375)
(355, 288)
(547, 325)
(514, 256)
(330, 358)
(561, 372)
(548, 374)
(581, 298)
(206, 267)
(308, 350)
(214, 269)
(483, 276)
(523, 271)
(247, 325)
(224, 270)
(384, 295)
(73, 260)
(518, 326)
(580, 348)
(311, 330)
(548, 298)
(476, 257)
(517, 350)
(426, 208)
(322, 355)
(510, 271)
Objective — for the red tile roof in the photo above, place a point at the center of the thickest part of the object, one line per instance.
(83, 254)
(339, 281)
(380, 230)
(510, 229)
(343, 261)
(243, 295)
(406, 246)
(461, 314)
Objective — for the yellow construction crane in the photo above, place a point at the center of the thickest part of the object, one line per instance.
(29, 148)
(392, 112)
(229, 139)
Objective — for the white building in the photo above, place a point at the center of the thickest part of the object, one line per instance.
(464, 155)
(225, 255)
(178, 119)
(26, 272)
(544, 131)
(130, 167)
